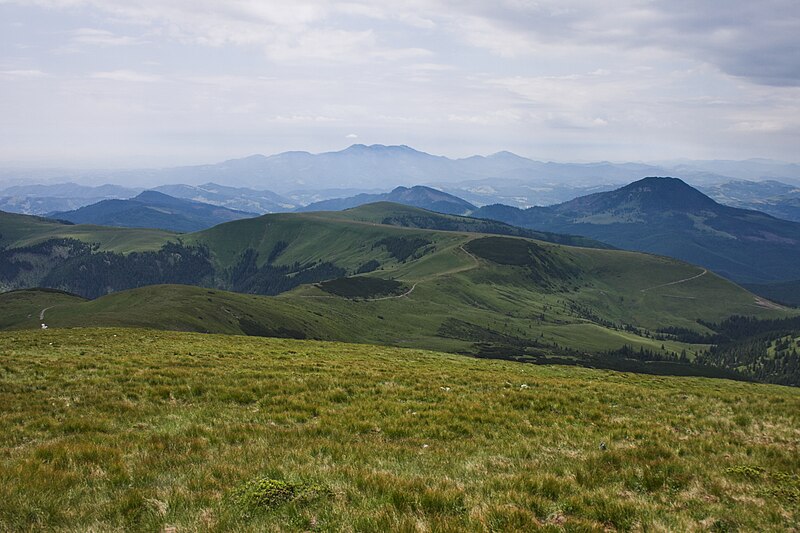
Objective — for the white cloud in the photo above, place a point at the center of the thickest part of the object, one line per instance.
(284, 119)
(127, 76)
(330, 45)
(768, 126)
(23, 74)
(300, 30)
(92, 36)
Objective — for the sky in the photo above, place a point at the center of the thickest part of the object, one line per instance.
(117, 83)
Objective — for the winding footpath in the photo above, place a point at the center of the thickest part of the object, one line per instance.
(703, 273)
(464, 268)
(475, 264)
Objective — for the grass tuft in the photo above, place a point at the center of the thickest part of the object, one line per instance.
(266, 493)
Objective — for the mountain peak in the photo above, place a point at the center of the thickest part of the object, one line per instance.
(401, 148)
(647, 195)
(154, 196)
(504, 154)
(666, 193)
(159, 198)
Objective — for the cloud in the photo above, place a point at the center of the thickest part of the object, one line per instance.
(92, 36)
(754, 40)
(336, 46)
(759, 126)
(287, 32)
(577, 77)
(351, 136)
(23, 74)
(759, 41)
(127, 76)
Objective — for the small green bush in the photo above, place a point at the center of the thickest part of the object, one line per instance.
(266, 493)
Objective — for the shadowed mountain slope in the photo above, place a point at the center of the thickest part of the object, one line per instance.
(666, 216)
(152, 209)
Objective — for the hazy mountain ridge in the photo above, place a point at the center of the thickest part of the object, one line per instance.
(152, 209)
(417, 196)
(389, 166)
(379, 166)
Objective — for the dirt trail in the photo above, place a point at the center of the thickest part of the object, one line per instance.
(767, 304)
(41, 315)
(475, 264)
(464, 268)
(703, 273)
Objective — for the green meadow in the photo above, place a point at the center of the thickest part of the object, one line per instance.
(141, 430)
(24, 230)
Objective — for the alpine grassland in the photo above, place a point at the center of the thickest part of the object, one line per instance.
(25, 230)
(114, 429)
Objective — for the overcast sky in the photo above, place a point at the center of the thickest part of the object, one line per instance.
(161, 82)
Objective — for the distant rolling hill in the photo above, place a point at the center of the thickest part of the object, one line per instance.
(152, 209)
(417, 196)
(26, 231)
(666, 216)
(267, 255)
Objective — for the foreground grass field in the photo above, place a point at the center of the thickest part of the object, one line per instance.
(124, 429)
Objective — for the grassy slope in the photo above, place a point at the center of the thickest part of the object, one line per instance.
(139, 430)
(24, 230)
(617, 286)
(396, 214)
(449, 284)
(311, 237)
(21, 309)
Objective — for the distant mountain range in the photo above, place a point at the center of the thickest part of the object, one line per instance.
(152, 209)
(417, 196)
(668, 217)
(382, 167)
(379, 166)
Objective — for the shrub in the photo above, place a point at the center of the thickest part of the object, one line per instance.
(266, 493)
